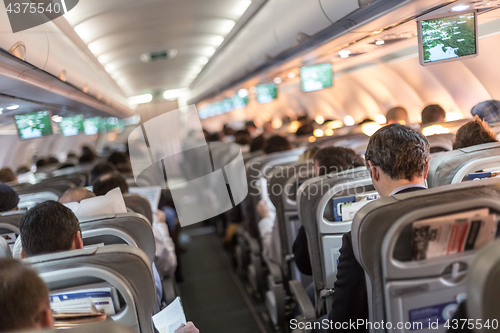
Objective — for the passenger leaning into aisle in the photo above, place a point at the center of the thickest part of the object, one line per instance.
(398, 160)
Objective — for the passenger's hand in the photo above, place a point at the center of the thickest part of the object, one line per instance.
(159, 216)
(263, 208)
(188, 328)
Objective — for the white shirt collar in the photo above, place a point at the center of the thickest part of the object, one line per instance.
(404, 187)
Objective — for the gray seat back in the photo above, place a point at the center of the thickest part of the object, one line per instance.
(9, 222)
(451, 167)
(4, 249)
(401, 290)
(139, 204)
(57, 186)
(257, 170)
(282, 187)
(441, 142)
(124, 267)
(26, 201)
(315, 209)
(483, 287)
(124, 228)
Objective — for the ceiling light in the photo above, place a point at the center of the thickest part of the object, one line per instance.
(95, 48)
(276, 123)
(215, 40)
(311, 139)
(277, 80)
(434, 129)
(459, 8)
(203, 60)
(335, 124)
(83, 32)
(56, 118)
(291, 75)
(175, 93)
(13, 107)
(349, 121)
(380, 42)
(243, 93)
(380, 118)
(140, 99)
(370, 128)
(242, 7)
(294, 126)
(452, 116)
(226, 26)
(318, 133)
(328, 132)
(344, 53)
(320, 120)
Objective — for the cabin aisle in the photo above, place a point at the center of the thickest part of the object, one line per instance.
(212, 296)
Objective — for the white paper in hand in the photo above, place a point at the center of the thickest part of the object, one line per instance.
(111, 203)
(170, 318)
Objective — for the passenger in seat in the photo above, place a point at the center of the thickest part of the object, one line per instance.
(75, 194)
(108, 182)
(327, 160)
(49, 227)
(398, 160)
(488, 111)
(24, 298)
(8, 198)
(7, 176)
(475, 132)
(99, 170)
(397, 114)
(276, 144)
(433, 113)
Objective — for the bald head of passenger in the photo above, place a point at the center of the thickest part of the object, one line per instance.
(76, 194)
(397, 114)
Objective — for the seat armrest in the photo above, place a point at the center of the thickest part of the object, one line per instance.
(303, 301)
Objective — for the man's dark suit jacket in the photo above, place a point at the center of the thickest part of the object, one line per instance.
(351, 298)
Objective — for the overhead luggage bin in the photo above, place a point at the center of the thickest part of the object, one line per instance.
(453, 166)
(402, 284)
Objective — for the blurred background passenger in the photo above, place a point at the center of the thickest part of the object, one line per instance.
(276, 144)
(22, 170)
(7, 176)
(121, 161)
(75, 194)
(9, 199)
(40, 163)
(99, 170)
(52, 160)
(110, 181)
(488, 111)
(251, 128)
(309, 154)
(433, 113)
(397, 114)
(24, 298)
(243, 138)
(475, 132)
(257, 143)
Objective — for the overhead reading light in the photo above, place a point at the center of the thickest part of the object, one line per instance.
(242, 93)
(335, 124)
(277, 123)
(140, 99)
(277, 80)
(452, 116)
(349, 121)
(328, 132)
(380, 118)
(291, 75)
(320, 120)
(460, 8)
(318, 133)
(175, 93)
(13, 107)
(370, 128)
(344, 54)
(380, 42)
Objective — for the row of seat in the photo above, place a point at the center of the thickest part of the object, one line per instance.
(314, 210)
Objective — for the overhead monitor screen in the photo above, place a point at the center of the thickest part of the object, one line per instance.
(267, 92)
(71, 125)
(33, 125)
(112, 124)
(448, 38)
(316, 77)
(92, 125)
